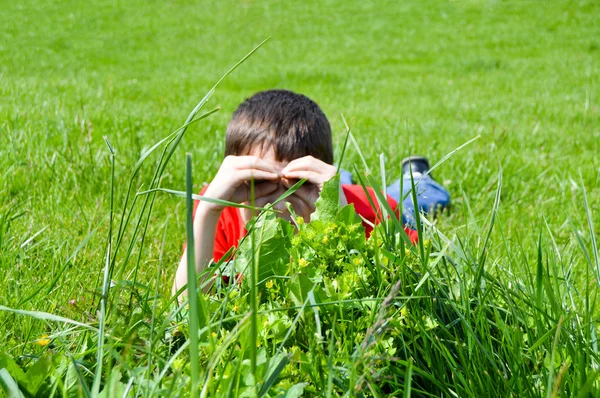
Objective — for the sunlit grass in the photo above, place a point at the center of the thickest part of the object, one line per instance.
(500, 302)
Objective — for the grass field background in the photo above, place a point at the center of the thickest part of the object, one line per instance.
(411, 78)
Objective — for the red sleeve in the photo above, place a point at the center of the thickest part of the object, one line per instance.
(229, 229)
(355, 194)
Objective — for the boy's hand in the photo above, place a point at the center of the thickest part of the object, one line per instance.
(316, 173)
(232, 182)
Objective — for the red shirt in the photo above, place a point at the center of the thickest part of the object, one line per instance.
(230, 227)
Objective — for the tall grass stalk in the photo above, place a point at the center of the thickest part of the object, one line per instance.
(155, 298)
(590, 223)
(191, 285)
(253, 295)
(106, 280)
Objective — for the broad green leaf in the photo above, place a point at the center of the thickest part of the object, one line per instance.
(328, 203)
(37, 374)
(272, 236)
(9, 385)
(299, 286)
(6, 362)
(278, 363)
(347, 215)
(295, 391)
(113, 387)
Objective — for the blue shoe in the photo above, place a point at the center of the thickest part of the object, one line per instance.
(431, 196)
(419, 165)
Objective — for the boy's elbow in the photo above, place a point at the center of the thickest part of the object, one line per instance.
(180, 279)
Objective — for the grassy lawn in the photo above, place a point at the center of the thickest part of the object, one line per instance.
(410, 77)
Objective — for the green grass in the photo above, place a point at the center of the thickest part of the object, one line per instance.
(410, 78)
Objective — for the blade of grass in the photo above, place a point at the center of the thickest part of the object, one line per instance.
(32, 237)
(589, 385)
(286, 194)
(106, 281)
(344, 146)
(552, 358)
(417, 215)
(9, 385)
(48, 317)
(451, 153)
(182, 194)
(81, 379)
(539, 278)
(384, 190)
(192, 289)
(273, 375)
(481, 264)
(591, 229)
(330, 357)
(253, 297)
(408, 379)
(358, 150)
(155, 298)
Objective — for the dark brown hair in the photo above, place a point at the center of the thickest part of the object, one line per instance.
(292, 124)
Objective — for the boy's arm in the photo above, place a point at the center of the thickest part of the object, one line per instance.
(205, 228)
(229, 184)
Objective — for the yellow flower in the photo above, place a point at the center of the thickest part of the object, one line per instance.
(331, 228)
(43, 341)
(299, 220)
(430, 323)
(235, 308)
(214, 335)
(325, 240)
(269, 284)
(357, 261)
(303, 262)
(403, 312)
(178, 364)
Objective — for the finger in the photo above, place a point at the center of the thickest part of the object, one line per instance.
(256, 175)
(312, 176)
(254, 162)
(309, 163)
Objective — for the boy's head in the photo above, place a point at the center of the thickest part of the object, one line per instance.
(289, 124)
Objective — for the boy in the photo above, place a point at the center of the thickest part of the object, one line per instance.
(275, 137)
